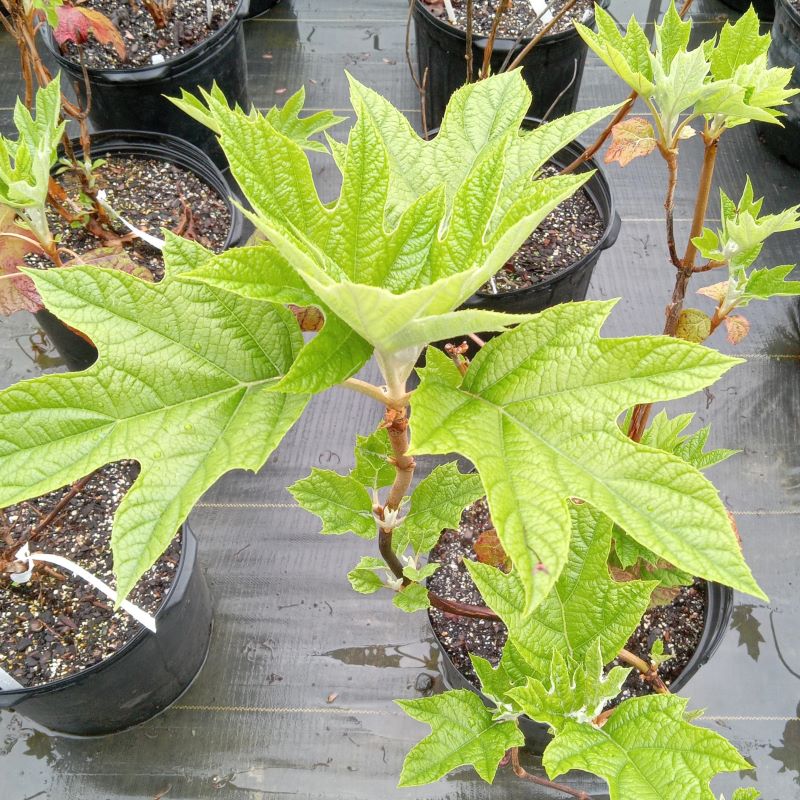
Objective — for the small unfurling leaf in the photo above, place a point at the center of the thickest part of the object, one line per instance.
(717, 291)
(738, 327)
(693, 325)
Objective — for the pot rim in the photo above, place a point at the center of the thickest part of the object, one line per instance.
(185, 562)
(790, 10)
(502, 43)
(156, 71)
(119, 140)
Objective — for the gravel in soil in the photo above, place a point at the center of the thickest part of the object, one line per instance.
(187, 25)
(151, 194)
(519, 21)
(57, 625)
(571, 231)
(679, 625)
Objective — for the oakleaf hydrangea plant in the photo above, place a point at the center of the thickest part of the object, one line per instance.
(207, 370)
(700, 93)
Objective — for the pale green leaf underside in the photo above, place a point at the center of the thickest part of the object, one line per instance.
(546, 397)
(182, 385)
(340, 501)
(262, 273)
(646, 751)
(462, 732)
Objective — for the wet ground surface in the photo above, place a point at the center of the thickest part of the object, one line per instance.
(290, 634)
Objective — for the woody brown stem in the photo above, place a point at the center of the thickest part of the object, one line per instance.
(649, 672)
(69, 495)
(685, 267)
(522, 773)
(502, 7)
(461, 609)
(517, 62)
(701, 201)
(396, 424)
(469, 53)
(671, 157)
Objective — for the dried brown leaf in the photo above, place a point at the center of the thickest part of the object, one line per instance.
(489, 550)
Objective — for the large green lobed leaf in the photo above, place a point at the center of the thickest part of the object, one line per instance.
(647, 751)
(537, 414)
(417, 228)
(586, 608)
(182, 385)
(463, 731)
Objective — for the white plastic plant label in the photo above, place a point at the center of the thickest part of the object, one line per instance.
(7, 683)
(542, 10)
(24, 554)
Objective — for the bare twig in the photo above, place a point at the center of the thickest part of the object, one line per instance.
(461, 609)
(555, 102)
(469, 54)
(517, 62)
(522, 773)
(502, 7)
(67, 498)
(457, 353)
(422, 83)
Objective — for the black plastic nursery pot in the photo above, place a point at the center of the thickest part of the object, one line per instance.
(258, 7)
(77, 353)
(136, 98)
(140, 680)
(784, 51)
(553, 69)
(764, 8)
(572, 283)
(719, 606)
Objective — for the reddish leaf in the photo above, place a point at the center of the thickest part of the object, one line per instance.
(75, 23)
(630, 139)
(738, 327)
(661, 596)
(309, 319)
(490, 551)
(717, 291)
(17, 292)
